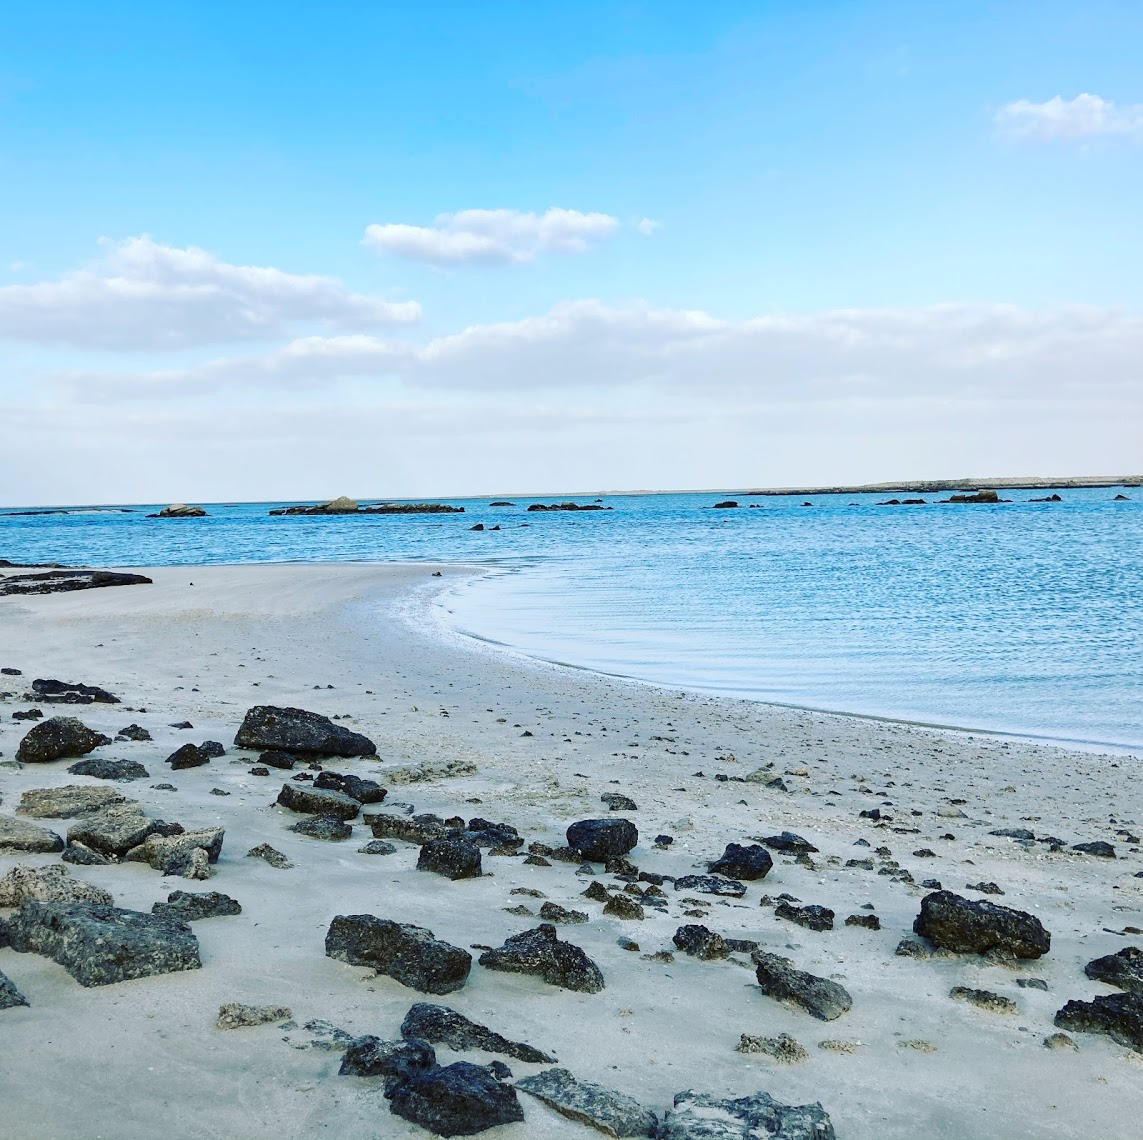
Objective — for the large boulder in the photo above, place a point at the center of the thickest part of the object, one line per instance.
(541, 953)
(1124, 969)
(443, 1026)
(613, 1113)
(296, 730)
(700, 1116)
(99, 945)
(741, 862)
(600, 840)
(409, 954)
(68, 801)
(317, 801)
(57, 737)
(1120, 1016)
(953, 922)
(53, 883)
(819, 997)
(452, 857)
(19, 837)
(458, 1100)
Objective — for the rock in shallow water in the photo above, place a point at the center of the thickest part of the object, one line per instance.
(699, 1116)
(296, 730)
(613, 1113)
(57, 737)
(409, 954)
(443, 1026)
(458, 1100)
(541, 953)
(967, 927)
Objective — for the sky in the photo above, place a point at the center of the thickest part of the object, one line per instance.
(296, 250)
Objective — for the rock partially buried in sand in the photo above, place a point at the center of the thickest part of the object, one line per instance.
(187, 906)
(699, 1116)
(174, 854)
(269, 855)
(1123, 969)
(741, 862)
(57, 737)
(51, 691)
(409, 954)
(419, 829)
(318, 801)
(541, 953)
(967, 927)
(599, 840)
(789, 844)
(100, 945)
(363, 791)
(711, 885)
(115, 830)
(458, 1100)
(819, 997)
(613, 1113)
(48, 884)
(700, 942)
(10, 997)
(325, 827)
(1119, 1016)
(235, 1015)
(68, 801)
(296, 730)
(819, 918)
(443, 1026)
(394, 1061)
(188, 756)
(104, 768)
(17, 836)
(452, 857)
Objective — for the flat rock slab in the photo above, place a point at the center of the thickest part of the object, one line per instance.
(323, 827)
(104, 768)
(317, 801)
(100, 945)
(711, 885)
(114, 830)
(789, 843)
(409, 954)
(171, 853)
(49, 884)
(298, 731)
(10, 997)
(613, 1113)
(1123, 969)
(57, 737)
(699, 1116)
(819, 997)
(953, 922)
(1119, 1016)
(188, 906)
(418, 829)
(541, 953)
(65, 581)
(52, 691)
(18, 836)
(68, 801)
(458, 1100)
(443, 1026)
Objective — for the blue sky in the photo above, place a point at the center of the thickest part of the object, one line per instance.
(753, 161)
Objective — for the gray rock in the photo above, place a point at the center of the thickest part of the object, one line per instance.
(740, 862)
(99, 945)
(711, 885)
(169, 853)
(10, 997)
(18, 836)
(395, 1061)
(212, 749)
(188, 906)
(553, 912)
(699, 942)
(114, 830)
(377, 847)
(1123, 969)
(317, 801)
(418, 829)
(617, 802)
(457, 1100)
(270, 855)
(1119, 1016)
(68, 801)
(443, 1026)
(323, 827)
(600, 840)
(235, 1015)
(620, 906)
(613, 1113)
(133, 732)
(276, 759)
(819, 997)
(967, 927)
(539, 952)
(81, 855)
(57, 737)
(699, 1116)
(452, 857)
(409, 954)
(48, 884)
(1099, 847)
(298, 731)
(104, 768)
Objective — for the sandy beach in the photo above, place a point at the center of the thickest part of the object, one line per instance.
(364, 644)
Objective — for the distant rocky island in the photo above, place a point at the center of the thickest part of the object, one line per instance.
(934, 486)
(343, 505)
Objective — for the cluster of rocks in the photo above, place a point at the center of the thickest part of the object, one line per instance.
(344, 505)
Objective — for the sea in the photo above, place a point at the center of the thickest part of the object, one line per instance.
(1017, 617)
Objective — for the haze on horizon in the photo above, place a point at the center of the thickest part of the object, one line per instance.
(286, 251)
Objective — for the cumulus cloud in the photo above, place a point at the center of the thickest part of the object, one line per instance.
(492, 237)
(647, 226)
(144, 295)
(1085, 116)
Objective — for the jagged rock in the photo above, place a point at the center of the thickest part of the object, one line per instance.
(596, 891)
(811, 917)
(68, 801)
(188, 756)
(81, 855)
(433, 770)
(612, 1113)
(104, 768)
(619, 906)
(317, 801)
(323, 827)
(711, 885)
(235, 1015)
(275, 759)
(869, 921)
(411, 955)
(17, 836)
(541, 953)
(27, 714)
(783, 1048)
(212, 749)
(452, 857)
(99, 945)
(984, 999)
(377, 847)
(1099, 848)
(170, 853)
(49, 884)
(485, 833)
(296, 730)
(61, 692)
(133, 732)
(819, 997)
(1120, 1016)
(700, 1116)
(395, 1061)
(10, 997)
(599, 840)
(700, 942)
(363, 791)
(458, 1100)
(740, 862)
(270, 855)
(553, 912)
(187, 906)
(789, 843)
(57, 737)
(418, 829)
(443, 1026)
(968, 927)
(1123, 969)
(616, 802)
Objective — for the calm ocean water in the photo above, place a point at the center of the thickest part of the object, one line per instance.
(1021, 617)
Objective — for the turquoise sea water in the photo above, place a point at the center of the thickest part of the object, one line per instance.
(1022, 617)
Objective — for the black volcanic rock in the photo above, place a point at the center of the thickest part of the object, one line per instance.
(541, 953)
(443, 1026)
(409, 954)
(56, 738)
(740, 862)
(458, 1100)
(296, 730)
(599, 840)
(967, 927)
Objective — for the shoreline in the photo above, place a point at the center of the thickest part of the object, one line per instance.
(546, 742)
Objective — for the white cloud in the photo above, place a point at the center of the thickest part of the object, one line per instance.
(492, 237)
(143, 295)
(647, 226)
(1085, 116)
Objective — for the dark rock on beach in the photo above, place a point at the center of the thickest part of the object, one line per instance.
(452, 857)
(699, 942)
(741, 862)
(296, 730)
(1119, 1016)
(187, 906)
(188, 756)
(711, 885)
(968, 927)
(56, 738)
(699, 1116)
(317, 801)
(104, 768)
(65, 581)
(274, 759)
(100, 945)
(819, 997)
(458, 1100)
(409, 954)
(10, 997)
(1099, 848)
(363, 791)
(133, 732)
(599, 840)
(818, 918)
(541, 953)
(395, 1061)
(50, 691)
(789, 844)
(326, 827)
(443, 1026)
(18, 837)
(417, 829)
(1123, 969)
(68, 801)
(612, 1113)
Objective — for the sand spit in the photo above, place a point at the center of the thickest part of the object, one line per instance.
(710, 982)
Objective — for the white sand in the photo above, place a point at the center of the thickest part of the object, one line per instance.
(142, 1058)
